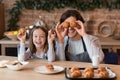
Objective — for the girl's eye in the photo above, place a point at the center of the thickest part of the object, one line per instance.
(35, 36)
(39, 36)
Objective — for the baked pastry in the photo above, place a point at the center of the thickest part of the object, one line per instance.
(22, 31)
(73, 24)
(103, 74)
(88, 69)
(88, 74)
(74, 68)
(76, 73)
(100, 69)
(65, 24)
(49, 67)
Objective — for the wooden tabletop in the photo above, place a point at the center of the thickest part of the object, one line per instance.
(28, 72)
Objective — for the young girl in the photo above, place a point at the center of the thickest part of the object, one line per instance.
(40, 44)
(74, 43)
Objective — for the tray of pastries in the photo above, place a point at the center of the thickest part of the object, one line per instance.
(89, 73)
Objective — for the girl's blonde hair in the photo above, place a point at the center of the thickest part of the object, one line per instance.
(31, 45)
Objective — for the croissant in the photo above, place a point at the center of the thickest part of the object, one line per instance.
(101, 69)
(103, 74)
(88, 74)
(88, 69)
(74, 68)
(76, 73)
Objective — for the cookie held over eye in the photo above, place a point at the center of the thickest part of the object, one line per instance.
(73, 24)
(65, 24)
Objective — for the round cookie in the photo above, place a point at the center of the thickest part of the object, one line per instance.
(65, 24)
(73, 24)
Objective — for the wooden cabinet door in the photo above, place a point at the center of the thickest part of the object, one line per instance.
(2, 21)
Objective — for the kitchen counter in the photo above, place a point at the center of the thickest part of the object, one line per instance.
(105, 43)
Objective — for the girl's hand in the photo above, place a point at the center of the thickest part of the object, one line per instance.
(51, 35)
(80, 28)
(61, 32)
(21, 37)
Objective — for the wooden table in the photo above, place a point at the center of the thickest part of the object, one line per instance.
(105, 43)
(28, 72)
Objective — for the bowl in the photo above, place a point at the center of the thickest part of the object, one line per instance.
(11, 35)
(16, 66)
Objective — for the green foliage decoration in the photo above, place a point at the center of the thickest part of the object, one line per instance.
(49, 5)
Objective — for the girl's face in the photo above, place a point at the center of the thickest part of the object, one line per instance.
(39, 38)
(71, 31)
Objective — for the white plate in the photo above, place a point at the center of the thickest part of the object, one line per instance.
(17, 67)
(111, 74)
(43, 70)
(3, 63)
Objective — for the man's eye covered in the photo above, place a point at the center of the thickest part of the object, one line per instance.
(71, 24)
